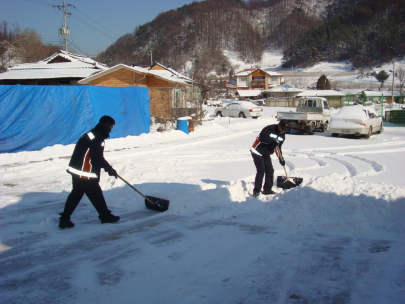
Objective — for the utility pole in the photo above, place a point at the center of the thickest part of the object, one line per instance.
(393, 76)
(64, 31)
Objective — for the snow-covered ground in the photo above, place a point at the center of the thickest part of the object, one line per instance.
(338, 238)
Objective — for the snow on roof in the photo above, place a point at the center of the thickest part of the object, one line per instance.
(171, 75)
(60, 65)
(249, 93)
(283, 88)
(47, 74)
(320, 93)
(167, 74)
(380, 93)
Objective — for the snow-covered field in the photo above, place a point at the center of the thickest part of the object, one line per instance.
(338, 238)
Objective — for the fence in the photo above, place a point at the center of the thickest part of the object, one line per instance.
(281, 102)
(395, 116)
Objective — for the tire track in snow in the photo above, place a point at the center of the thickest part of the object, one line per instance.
(346, 160)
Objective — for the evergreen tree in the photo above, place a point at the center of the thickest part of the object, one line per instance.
(382, 76)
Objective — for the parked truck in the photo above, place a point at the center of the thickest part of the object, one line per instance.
(312, 113)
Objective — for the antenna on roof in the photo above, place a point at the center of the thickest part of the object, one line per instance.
(64, 31)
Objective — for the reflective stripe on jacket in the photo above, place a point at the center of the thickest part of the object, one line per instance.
(87, 158)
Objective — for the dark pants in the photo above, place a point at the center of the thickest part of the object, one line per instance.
(92, 189)
(264, 168)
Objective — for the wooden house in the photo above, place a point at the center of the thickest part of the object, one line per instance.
(171, 94)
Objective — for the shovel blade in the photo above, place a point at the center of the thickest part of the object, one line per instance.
(284, 183)
(155, 203)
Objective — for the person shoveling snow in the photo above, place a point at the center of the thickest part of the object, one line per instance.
(270, 138)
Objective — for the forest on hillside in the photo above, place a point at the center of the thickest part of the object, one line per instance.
(191, 39)
(365, 32)
(199, 32)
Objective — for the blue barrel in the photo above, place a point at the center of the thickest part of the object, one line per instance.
(182, 124)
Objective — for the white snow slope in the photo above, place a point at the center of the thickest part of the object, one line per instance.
(337, 238)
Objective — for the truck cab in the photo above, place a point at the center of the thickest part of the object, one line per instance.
(312, 113)
(314, 104)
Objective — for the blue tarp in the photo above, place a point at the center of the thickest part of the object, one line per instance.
(34, 117)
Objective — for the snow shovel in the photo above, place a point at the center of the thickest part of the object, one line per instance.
(154, 203)
(285, 182)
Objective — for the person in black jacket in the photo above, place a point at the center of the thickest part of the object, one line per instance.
(269, 138)
(85, 168)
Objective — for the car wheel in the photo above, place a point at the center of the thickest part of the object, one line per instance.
(255, 117)
(335, 134)
(242, 115)
(325, 127)
(310, 129)
(370, 131)
(219, 114)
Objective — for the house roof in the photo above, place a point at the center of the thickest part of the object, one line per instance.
(249, 93)
(165, 74)
(320, 93)
(247, 72)
(60, 65)
(380, 93)
(283, 89)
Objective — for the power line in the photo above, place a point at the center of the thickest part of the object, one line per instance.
(115, 34)
(93, 28)
(40, 2)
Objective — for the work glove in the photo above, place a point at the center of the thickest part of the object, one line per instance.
(282, 162)
(112, 172)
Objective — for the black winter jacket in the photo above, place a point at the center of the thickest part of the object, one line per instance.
(267, 141)
(88, 155)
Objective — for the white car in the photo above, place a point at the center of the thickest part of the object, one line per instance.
(356, 120)
(240, 109)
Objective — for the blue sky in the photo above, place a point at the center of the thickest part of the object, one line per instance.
(93, 24)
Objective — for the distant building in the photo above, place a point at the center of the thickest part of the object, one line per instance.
(335, 98)
(377, 96)
(251, 79)
(281, 91)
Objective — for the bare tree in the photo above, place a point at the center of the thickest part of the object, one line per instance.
(401, 77)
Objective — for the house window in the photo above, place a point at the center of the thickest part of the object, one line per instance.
(176, 100)
(274, 79)
(258, 81)
(242, 81)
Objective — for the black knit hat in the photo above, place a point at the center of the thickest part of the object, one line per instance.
(284, 124)
(107, 120)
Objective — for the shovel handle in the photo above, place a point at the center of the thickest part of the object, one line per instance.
(147, 198)
(286, 174)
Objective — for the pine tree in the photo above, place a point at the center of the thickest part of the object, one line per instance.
(382, 76)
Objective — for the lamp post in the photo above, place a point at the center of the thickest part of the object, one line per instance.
(382, 104)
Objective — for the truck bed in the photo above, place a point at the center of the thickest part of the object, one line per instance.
(313, 116)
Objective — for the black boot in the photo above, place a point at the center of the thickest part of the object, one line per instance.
(64, 222)
(109, 218)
